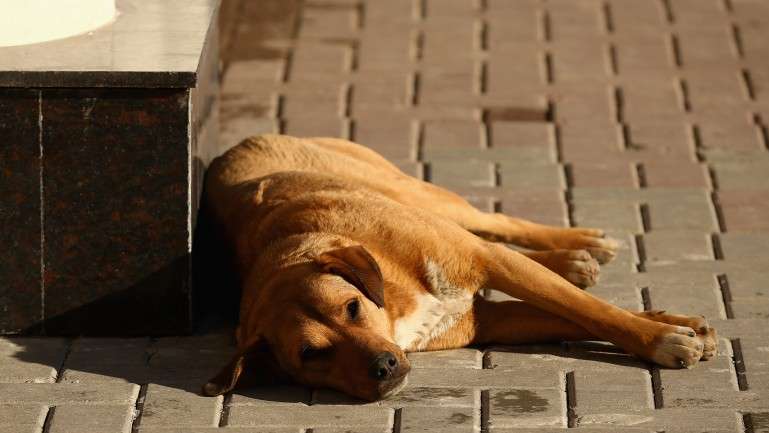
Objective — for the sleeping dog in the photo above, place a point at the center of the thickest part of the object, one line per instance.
(347, 263)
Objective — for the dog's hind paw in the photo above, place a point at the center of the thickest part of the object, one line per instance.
(594, 241)
(580, 268)
(576, 266)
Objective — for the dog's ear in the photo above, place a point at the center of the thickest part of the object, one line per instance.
(256, 365)
(356, 265)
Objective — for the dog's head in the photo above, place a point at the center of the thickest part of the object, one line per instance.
(320, 323)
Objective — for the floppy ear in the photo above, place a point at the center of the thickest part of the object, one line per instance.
(254, 365)
(356, 265)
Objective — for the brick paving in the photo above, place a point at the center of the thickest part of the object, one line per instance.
(643, 117)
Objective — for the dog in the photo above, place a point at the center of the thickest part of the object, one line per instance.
(346, 263)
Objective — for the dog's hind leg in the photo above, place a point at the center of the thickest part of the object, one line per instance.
(502, 228)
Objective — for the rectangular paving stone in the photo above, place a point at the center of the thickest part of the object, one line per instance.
(747, 308)
(745, 210)
(92, 360)
(673, 140)
(527, 408)
(544, 207)
(688, 299)
(471, 378)
(291, 395)
(454, 173)
(28, 418)
(410, 396)
(30, 360)
(352, 430)
(455, 358)
(175, 405)
(745, 247)
(672, 246)
(393, 137)
(693, 215)
(608, 216)
(689, 419)
(316, 125)
(551, 357)
(528, 137)
(309, 416)
(623, 295)
(676, 174)
(68, 393)
(749, 176)
(230, 430)
(598, 175)
(514, 66)
(453, 133)
(92, 419)
(450, 420)
(531, 176)
(751, 285)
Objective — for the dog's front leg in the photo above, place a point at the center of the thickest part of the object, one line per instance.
(512, 273)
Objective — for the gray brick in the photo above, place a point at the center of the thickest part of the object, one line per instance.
(751, 308)
(352, 430)
(449, 420)
(696, 215)
(410, 396)
(30, 359)
(28, 418)
(617, 216)
(456, 358)
(271, 396)
(531, 176)
(547, 357)
(310, 416)
(527, 408)
(103, 360)
(228, 430)
(451, 173)
(689, 419)
(745, 247)
(688, 299)
(461, 377)
(672, 246)
(175, 406)
(68, 393)
(91, 419)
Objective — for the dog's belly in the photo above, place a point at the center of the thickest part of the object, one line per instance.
(436, 312)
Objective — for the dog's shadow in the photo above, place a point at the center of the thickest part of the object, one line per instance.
(186, 363)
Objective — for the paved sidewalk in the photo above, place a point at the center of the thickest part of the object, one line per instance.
(643, 117)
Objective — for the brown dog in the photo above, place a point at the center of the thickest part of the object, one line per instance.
(346, 263)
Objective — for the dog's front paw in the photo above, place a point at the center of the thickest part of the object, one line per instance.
(681, 347)
(704, 333)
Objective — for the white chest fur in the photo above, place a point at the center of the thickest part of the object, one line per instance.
(436, 311)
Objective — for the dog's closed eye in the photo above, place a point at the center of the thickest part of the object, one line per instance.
(309, 353)
(353, 309)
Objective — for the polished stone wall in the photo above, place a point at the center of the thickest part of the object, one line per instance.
(96, 205)
(104, 139)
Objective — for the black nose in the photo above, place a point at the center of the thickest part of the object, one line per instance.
(383, 366)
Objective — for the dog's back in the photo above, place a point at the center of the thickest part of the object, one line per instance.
(263, 155)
